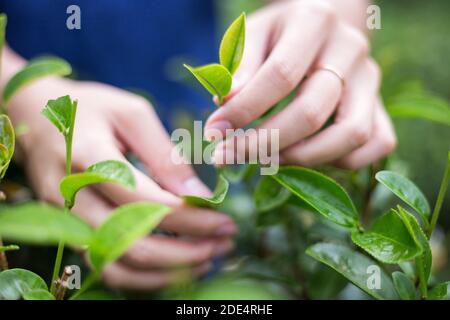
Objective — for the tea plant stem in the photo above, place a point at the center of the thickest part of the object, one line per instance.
(58, 261)
(440, 198)
(368, 195)
(62, 284)
(59, 255)
(3, 260)
(90, 280)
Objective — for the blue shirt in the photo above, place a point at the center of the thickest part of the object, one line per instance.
(132, 44)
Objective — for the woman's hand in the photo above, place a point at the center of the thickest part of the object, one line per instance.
(109, 123)
(292, 41)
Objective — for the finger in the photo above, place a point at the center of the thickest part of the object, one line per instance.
(165, 252)
(153, 251)
(316, 101)
(199, 222)
(353, 123)
(257, 36)
(382, 143)
(146, 188)
(45, 180)
(285, 67)
(142, 131)
(346, 48)
(92, 207)
(306, 114)
(120, 276)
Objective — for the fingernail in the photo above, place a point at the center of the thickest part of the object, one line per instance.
(217, 130)
(228, 229)
(193, 186)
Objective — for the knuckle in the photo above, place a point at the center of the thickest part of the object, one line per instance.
(321, 9)
(111, 278)
(201, 255)
(49, 195)
(389, 143)
(359, 40)
(283, 75)
(349, 164)
(312, 118)
(138, 107)
(358, 134)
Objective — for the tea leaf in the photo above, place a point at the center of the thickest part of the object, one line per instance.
(18, 283)
(232, 45)
(423, 262)
(7, 143)
(123, 227)
(11, 247)
(404, 286)
(217, 198)
(269, 194)
(42, 224)
(105, 171)
(406, 190)
(38, 294)
(322, 193)
(61, 112)
(354, 266)
(214, 77)
(33, 71)
(440, 292)
(389, 240)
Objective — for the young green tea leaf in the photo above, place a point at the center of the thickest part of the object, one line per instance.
(123, 227)
(61, 112)
(232, 45)
(217, 198)
(269, 194)
(42, 224)
(18, 283)
(111, 171)
(405, 190)
(389, 240)
(322, 193)
(404, 286)
(214, 77)
(7, 143)
(38, 294)
(440, 292)
(35, 70)
(355, 267)
(11, 247)
(423, 262)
